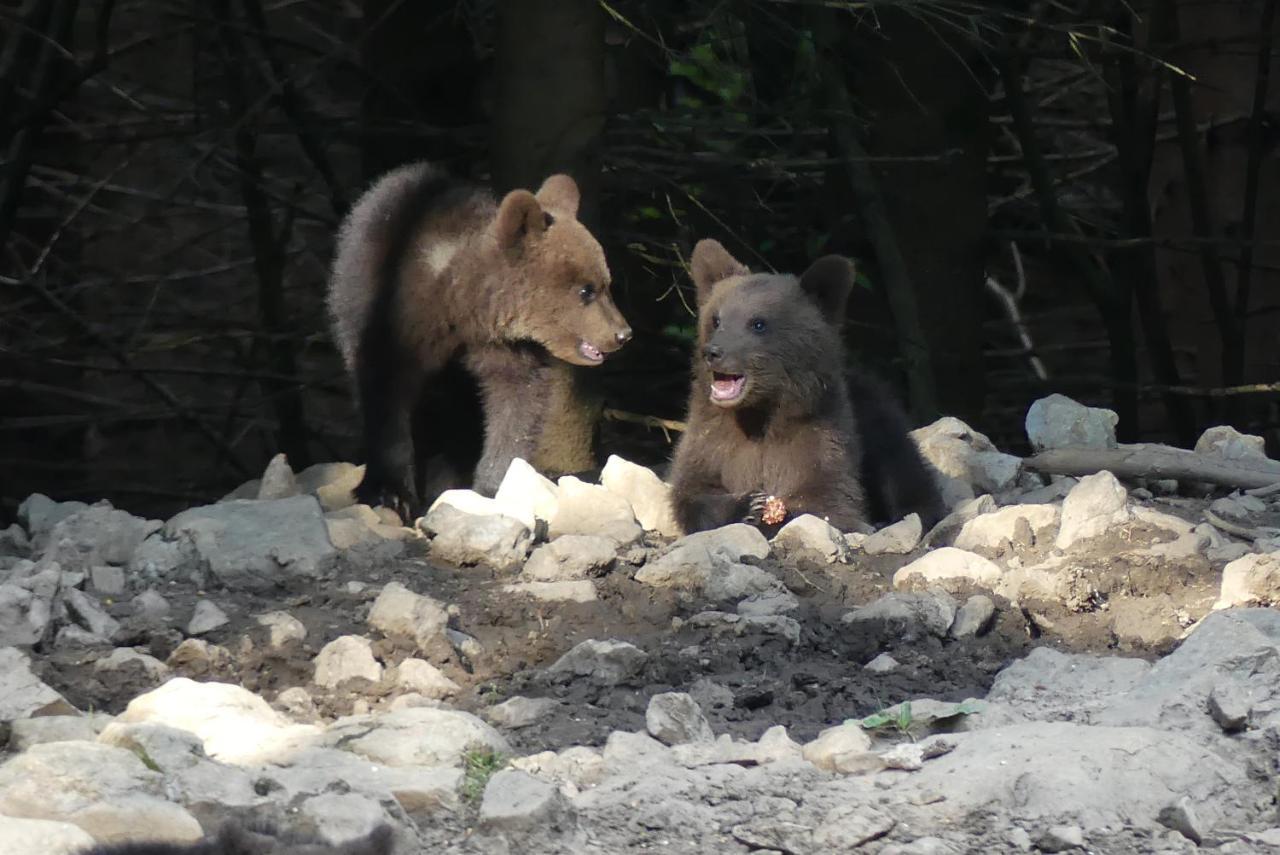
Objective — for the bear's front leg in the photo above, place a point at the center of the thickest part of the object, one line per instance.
(388, 474)
(514, 383)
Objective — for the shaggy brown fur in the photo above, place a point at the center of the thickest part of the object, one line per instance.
(433, 277)
(235, 839)
(770, 411)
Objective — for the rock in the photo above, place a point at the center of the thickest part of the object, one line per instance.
(104, 790)
(774, 745)
(206, 618)
(675, 717)
(464, 539)
(1181, 817)
(949, 564)
(162, 748)
(973, 618)
(905, 757)
(808, 535)
(988, 531)
(591, 509)
(22, 695)
(527, 495)
(1250, 580)
(26, 732)
(518, 712)
(234, 725)
(1048, 684)
(345, 533)
(468, 647)
(251, 544)
(333, 484)
(418, 675)
(418, 736)
(944, 533)
(1061, 838)
(515, 800)
(897, 539)
(126, 665)
(690, 562)
(1229, 444)
(771, 835)
(579, 766)
(994, 471)
(649, 495)
(710, 695)
(572, 556)
(42, 837)
(1094, 505)
(399, 611)
(1230, 706)
(98, 534)
(297, 703)
(906, 615)
(196, 656)
(19, 626)
(74, 636)
(882, 664)
(1059, 422)
(735, 581)
(107, 580)
(573, 591)
(157, 558)
(277, 480)
(90, 614)
(473, 504)
(39, 514)
(774, 602)
(341, 817)
(844, 748)
(14, 541)
(607, 662)
(346, 658)
(283, 629)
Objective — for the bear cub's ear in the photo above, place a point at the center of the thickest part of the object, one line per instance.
(519, 218)
(712, 263)
(827, 283)
(560, 193)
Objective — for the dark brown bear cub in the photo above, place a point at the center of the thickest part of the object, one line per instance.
(434, 280)
(773, 416)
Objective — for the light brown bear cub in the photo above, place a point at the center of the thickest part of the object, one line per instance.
(773, 413)
(432, 275)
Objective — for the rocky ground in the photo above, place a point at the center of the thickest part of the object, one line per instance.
(1060, 665)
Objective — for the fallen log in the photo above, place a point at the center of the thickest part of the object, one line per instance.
(1154, 461)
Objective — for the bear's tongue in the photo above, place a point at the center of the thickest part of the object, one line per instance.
(726, 387)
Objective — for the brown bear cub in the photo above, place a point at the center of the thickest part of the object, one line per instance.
(434, 280)
(777, 428)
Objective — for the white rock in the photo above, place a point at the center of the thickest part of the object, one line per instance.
(90, 614)
(418, 675)
(907, 615)
(944, 533)
(882, 664)
(648, 495)
(234, 725)
(107, 579)
(843, 748)
(897, 539)
(419, 736)
(520, 712)
(690, 562)
(251, 544)
(735, 581)
(775, 745)
(277, 480)
(346, 658)
(473, 504)
(22, 694)
(527, 494)
(297, 703)
(495, 540)
(625, 751)
(206, 618)
(570, 591)
(675, 717)
(1183, 818)
(1230, 705)
(994, 471)
(342, 817)
(949, 564)
(1251, 580)
(333, 484)
(26, 732)
(282, 628)
(345, 533)
(988, 530)
(1094, 506)
(906, 756)
(812, 535)
(515, 800)
(1059, 422)
(163, 748)
(607, 662)
(1061, 838)
(399, 611)
(1228, 443)
(124, 663)
(42, 837)
(572, 556)
(591, 509)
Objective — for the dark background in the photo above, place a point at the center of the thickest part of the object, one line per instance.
(173, 172)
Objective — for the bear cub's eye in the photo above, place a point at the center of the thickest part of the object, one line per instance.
(759, 325)
(715, 322)
(587, 293)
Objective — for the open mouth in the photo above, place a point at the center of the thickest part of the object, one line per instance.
(726, 388)
(590, 352)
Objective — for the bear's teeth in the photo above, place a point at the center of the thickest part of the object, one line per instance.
(590, 351)
(726, 387)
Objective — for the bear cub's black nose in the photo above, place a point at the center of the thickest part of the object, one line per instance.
(623, 336)
(712, 353)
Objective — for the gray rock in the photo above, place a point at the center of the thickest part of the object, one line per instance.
(687, 561)
(994, 471)
(39, 514)
(418, 675)
(278, 481)
(1250, 580)
(710, 695)
(906, 615)
(418, 736)
(26, 732)
(1059, 422)
(125, 664)
(675, 717)
(107, 580)
(42, 836)
(897, 539)
(773, 602)
(1047, 684)
(572, 556)
(649, 495)
(163, 748)
(206, 618)
(1230, 707)
(90, 615)
(399, 611)
(150, 604)
(517, 801)
(251, 544)
(283, 629)
(882, 664)
(569, 591)
(1061, 838)
(341, 817)
(949, 564)
(14, 542)
(591, 509)
(468, 647)
(1228, 443)
(464, 539)
(1095, 505)
(518, 712)
(71, 636)
(974, 617)
(157, 558)
(735, 581)
(98, 534)
(944, 533)
(18, 626)
(607, 662)
(1181, 817)
(346, 658)
(813, 537)
(625, 751)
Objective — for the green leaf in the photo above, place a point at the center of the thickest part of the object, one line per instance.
(648, 212)
(862, 280)
(904, 715)
(875, 720)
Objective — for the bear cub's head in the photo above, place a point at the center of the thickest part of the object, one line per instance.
(768, 339)
(561, 274)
